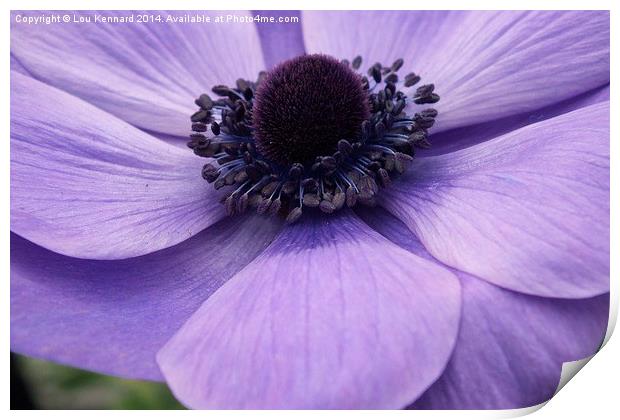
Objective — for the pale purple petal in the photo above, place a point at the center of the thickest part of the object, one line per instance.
(382, 36)
(528, 211)
(113, 316)
(485, 65)
(462, 137)
(279, 40)
(331, 315)
(145, 73)
(510, 346)
(16, 66)
(86, 184)
(176, 141)
(504, 63)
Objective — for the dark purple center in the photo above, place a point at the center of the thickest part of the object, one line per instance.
(305, 106)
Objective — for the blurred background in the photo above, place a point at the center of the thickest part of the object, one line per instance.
(36, 384)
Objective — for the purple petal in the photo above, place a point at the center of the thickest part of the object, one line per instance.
(485, 65)
(510, 346)
(331, 315)
(528, 211)
(113, 316)
(145, 73)
(462, 137)
(88, 185)
(510, 62)
(279, 40)
(16, 66)
(382, 36)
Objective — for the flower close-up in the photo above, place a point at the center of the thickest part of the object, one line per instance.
(321, 210)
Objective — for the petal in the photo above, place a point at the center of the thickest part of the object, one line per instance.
(510, 346)
(462, 137)
(279, 40)
(88, 185)
(18, 67)
(505, 63)
(528, 211)
(331, 315)
(145, 73)
(485, 65)
(381, 36)
(113, 316)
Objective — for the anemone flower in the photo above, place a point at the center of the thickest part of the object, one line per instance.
(478, 266)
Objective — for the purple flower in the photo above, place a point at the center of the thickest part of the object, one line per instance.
(481, 270)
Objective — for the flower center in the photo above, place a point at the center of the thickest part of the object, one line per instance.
(312, 133)
(305, 106)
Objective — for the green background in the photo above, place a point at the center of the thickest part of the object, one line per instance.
(52, 386)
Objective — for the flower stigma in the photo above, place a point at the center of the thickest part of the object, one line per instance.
(313, 132)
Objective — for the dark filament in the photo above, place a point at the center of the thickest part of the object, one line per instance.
(311, 133)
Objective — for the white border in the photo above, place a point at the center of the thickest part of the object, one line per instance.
(593, 394)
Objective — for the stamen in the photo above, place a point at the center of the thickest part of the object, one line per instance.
(312, 133)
